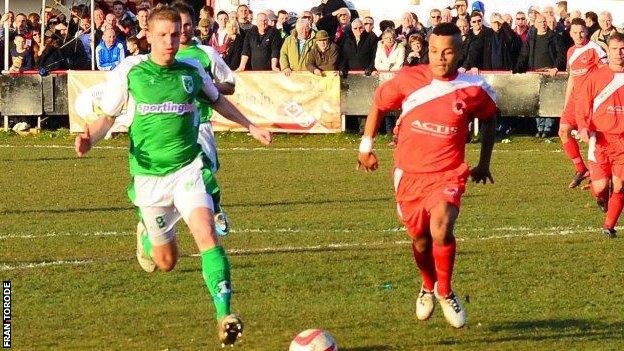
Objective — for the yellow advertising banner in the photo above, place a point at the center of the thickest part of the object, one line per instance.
(300, 103)
(84, 90)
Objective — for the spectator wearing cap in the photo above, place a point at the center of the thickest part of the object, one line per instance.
(203, 31)
(233, 50)
(109, 53)
(282, 24)
(390, 54)
(416, 53)
(591, 20)
(262, 47)
(21, 56)
(532, 12)
(602, 35)
(358, 50)
(219, 39)
(542, 52)
(297, 46)
(323, 56)
(462, 10)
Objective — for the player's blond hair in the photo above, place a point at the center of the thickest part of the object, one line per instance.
(164, 12)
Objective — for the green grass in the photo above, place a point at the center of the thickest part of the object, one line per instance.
(315, 244)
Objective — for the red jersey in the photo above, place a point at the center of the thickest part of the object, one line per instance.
(584, 59)
(602, 101)
(433, 126)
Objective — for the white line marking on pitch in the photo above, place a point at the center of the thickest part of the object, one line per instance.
(267, 149)
(325, 247)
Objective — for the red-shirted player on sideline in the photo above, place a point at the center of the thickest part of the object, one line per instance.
(601, 103)
(430, 173)
(583, 58)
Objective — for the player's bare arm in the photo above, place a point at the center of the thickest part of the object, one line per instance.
(481, 173)
(367, 160)
(93, 133)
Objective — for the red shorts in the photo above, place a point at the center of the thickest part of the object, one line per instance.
(418, 193)
(609, 158)
(568, 116)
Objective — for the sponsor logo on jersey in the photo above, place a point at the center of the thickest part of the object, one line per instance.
(579, 72)
(165, 107)
(459, 106)
(187, 83)
(615, 110)
(433, 128)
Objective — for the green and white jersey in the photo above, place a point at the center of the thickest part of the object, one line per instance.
(161, 101)
(212, 62)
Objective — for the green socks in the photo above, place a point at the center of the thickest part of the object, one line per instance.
(216, 273)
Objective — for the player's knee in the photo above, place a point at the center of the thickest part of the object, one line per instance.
(617, 187)
(442, 223)
(422, 243)
(599, 186)
(166, 262)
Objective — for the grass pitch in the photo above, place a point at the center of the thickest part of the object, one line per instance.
(315, 244)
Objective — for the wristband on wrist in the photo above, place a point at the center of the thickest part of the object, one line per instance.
(366, 145)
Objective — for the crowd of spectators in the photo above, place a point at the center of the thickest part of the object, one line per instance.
(328, 37)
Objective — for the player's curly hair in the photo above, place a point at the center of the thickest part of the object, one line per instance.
(164, 12)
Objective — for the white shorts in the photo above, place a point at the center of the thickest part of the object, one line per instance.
(206, 140)
(164, 200)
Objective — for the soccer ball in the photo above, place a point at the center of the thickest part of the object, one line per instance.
(313, 340)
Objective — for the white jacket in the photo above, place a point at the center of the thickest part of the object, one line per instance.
(392, 62)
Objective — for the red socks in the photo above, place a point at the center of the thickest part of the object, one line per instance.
(616, 203)
(571, 149)
(602, 196)
(444, 257)
(424, 261)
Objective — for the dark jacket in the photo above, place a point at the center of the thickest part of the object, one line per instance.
(526, 60)
(234, 51)
(261, 49)
(358, 56)
(325, 61)
(510, 45)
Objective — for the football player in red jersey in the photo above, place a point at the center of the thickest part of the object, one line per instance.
(430, 172)
(583, 58)
(601, 104)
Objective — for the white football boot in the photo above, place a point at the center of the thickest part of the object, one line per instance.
(425, 304)
(145, 261)
(452, 308)
(229, 329)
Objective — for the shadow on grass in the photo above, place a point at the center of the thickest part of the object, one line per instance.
(308, 202)
(367, 348)
(548, 329)
(66, 158)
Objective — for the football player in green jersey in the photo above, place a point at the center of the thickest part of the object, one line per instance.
(168, 172)
(223, 78)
